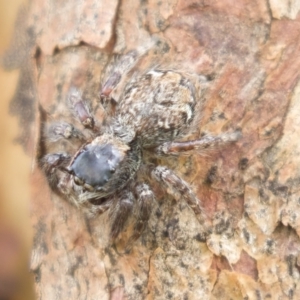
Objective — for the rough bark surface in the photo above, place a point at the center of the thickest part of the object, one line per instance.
(249, 50)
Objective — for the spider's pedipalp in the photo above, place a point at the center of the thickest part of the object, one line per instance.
(98, 206)
(51, 164)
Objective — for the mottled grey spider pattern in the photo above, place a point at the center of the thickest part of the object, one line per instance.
(154, 111)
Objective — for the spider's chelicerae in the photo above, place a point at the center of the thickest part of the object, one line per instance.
(154, 111)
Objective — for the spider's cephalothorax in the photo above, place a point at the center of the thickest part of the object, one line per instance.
(153, 111)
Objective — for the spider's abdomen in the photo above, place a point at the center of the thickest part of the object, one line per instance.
(157, 106)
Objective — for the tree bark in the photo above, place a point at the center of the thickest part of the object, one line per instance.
(249, 51)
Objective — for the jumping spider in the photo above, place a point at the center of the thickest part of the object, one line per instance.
(154, 111)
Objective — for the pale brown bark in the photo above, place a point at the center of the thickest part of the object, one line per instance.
(15, 281)
(250, 52)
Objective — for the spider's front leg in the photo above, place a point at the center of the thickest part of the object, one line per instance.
(120, 212)
(62, 131)
(123, 207)
(145, 199)
(175, 187)
(202, 145)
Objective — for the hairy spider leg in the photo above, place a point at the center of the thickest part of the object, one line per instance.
(145, 201)
(175, 186)
(62, 130)
(80, 108)
(203, 144)
(122, 65)
(120, 212)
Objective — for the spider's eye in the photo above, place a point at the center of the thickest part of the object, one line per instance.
(96, 164)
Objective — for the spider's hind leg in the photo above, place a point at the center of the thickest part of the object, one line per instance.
(201, 145)
(81, 108)
(120, 68)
